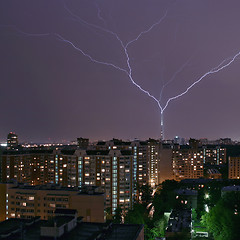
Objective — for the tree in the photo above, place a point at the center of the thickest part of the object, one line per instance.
(165, 199)
(146, 193)
(109, 215)
(223, 219)
(159, 227)
(117, 218)
(137, 215)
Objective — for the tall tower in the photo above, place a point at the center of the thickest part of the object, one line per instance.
(162, 129)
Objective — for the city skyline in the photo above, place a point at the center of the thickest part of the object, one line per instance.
(62, 93)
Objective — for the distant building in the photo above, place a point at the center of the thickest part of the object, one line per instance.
(214, 155)
(24, 201)
(83, 143)
(12, 140)
(187, 162)
(234, 167)
(225, 141)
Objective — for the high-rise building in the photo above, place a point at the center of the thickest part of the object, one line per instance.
(234, 167)
(116, 166)
(187, 162)
(154, 162)
(12, 140)
(214, 155)
(140, 154)
(112, 170)
(165, 164)
(139, 150)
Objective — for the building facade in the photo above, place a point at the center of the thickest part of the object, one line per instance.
(113, 170)
(25, 201)
(12, 140)
(214, 155)
(187, 163)
(234, 167)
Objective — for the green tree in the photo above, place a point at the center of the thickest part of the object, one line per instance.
(146, 193)
(137, 215)
(165, 198)
(223, 219)
(159, 227)
(117, 217)
(109, 215)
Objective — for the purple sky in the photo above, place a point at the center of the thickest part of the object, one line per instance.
(51, 92)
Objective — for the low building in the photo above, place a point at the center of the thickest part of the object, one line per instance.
(187, 197)
(25, 201)
(179, 224)
(235, 188)
(234, 167)
(68, 228)
(64, 221)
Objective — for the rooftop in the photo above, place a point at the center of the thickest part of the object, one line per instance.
(65, 211)
(58, 221)
(187, 192)
(179, 220)
(88, 190)
(83, 231)
(231, 188)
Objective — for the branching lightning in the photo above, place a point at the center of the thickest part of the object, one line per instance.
(128, 71)
(99, 14)
(214, 70)
(173, 77)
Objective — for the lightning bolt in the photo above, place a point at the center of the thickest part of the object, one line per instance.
(99, 14)
(173, 77)
(125, 49)
(128, 71)
(217, 69)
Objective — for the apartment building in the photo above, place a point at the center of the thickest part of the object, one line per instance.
(187, 163)
(26, 201)
(234, 167)
(214, 155)
(112, 170)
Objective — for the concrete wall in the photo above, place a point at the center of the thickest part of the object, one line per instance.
(165, 165)
(90, 207)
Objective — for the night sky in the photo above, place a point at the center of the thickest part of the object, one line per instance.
(51, 92)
